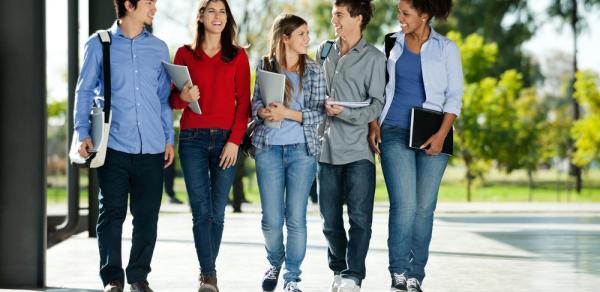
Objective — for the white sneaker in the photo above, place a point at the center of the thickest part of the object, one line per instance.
(348, 285)
(337, 281)
(291, 287)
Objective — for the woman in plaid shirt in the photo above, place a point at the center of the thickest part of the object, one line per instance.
(286, 157)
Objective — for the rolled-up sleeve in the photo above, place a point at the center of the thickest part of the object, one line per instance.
(88, 86)
(455, 90)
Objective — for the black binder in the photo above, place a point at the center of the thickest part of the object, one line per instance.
(423, 124)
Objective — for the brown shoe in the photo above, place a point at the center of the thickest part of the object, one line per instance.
(208, 283)
(141, 287)
(114, 286)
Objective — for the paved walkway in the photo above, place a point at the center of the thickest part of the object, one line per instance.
(475, 247)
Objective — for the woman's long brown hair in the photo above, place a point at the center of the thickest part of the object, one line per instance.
(284, 25)
(229, 47)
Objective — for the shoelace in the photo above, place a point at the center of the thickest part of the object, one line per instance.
(292, 286)
(412, 282)
(271, 273)
(399, 279)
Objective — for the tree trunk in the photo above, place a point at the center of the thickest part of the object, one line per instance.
(530, 184)
(468, 174)
(575, 170)
(238, 186)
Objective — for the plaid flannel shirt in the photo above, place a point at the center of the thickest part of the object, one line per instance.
(313, 113)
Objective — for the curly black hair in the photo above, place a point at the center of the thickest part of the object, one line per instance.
(440, 9)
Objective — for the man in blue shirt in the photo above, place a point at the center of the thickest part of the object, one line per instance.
(140, 140)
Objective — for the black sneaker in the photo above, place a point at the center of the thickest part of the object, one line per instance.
(114, 286)
(413, 285)
(174, 200)
(270, 279)
(398, 282)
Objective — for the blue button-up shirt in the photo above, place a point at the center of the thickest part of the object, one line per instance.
(142, 120)
(442, 74)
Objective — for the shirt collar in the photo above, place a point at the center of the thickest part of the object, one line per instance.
(362, 43)
(115, 30)
(400, 36)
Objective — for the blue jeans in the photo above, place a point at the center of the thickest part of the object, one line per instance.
(352, 184)
(140, 176)
(412, 179)
(285, 175)
(207, 186)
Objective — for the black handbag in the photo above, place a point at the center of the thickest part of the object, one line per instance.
(247, 147)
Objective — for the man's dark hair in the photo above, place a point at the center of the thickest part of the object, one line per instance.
(356, 8)
(120, 7)
(439, 9)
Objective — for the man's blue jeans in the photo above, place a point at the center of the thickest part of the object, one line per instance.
(412, 179)
(285, 175)
(141, 176)
(352, 184)
(207, 186)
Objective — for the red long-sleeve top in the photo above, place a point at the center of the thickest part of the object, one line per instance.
(224, 92)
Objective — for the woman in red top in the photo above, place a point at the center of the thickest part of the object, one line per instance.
(209, 142)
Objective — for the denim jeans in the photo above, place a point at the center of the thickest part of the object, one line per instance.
(352, 184)
(207, 186)
(285, 175)
(412, 179)
(141, 176)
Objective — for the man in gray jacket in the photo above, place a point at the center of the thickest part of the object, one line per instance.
(355, 72)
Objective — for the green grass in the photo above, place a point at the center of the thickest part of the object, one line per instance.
(550, 186)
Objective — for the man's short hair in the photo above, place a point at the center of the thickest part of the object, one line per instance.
(120, 7)
(356, 8)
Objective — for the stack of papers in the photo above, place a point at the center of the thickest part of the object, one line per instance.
(350, 104)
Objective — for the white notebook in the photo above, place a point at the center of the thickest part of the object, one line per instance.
(272, 89)
(180, 75)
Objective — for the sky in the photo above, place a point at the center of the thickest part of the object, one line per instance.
(547, 41)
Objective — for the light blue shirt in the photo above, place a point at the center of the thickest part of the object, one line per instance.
(442, 74)
(142, 120)
(291, 132)
(410, 91)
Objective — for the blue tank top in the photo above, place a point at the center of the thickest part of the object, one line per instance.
(409, 91)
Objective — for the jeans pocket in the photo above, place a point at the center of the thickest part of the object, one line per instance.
(186, 135)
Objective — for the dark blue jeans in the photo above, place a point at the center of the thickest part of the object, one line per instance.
(412, 179)
(207, 185)
(141, 176)
(352, 184)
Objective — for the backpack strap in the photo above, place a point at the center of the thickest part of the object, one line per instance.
(389, 42)
(326, 50)
(105, 39)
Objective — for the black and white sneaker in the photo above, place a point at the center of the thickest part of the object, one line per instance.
(291, 287)
(398, 282)
(270, 279)
(413, 285)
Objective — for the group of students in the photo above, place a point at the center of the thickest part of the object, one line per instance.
(422, 69)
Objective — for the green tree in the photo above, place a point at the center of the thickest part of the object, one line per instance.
(509, 23)
(568, 12)
(477, 58)
(585, 131)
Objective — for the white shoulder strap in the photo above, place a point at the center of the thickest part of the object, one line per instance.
(104, 36)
